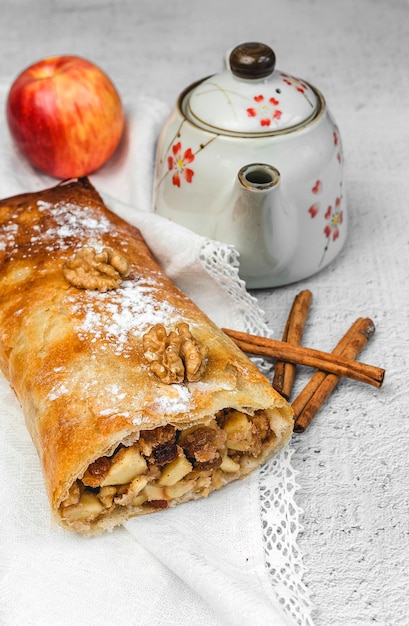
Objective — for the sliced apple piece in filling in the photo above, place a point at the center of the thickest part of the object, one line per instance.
(174, 471)
(239, 431)
(229, 466)
(126, 465)
(88, 508)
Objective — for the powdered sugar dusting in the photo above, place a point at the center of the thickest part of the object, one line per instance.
(8, 235)
(179, 400)
(70, 222)
(59, 390)
(113, 317)
(64, 223)
(115, 390)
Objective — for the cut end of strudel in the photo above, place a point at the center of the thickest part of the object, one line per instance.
(135, 400)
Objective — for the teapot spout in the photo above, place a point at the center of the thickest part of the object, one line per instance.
(259, 176)
(262, 226)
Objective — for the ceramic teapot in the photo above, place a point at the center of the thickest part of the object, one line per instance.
(252, 157)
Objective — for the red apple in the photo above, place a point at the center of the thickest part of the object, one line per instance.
(65, 116)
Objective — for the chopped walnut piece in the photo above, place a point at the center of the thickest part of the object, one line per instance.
(204, 444)
(262, 426)
(176, 356)
(134, 489)
(153, 472)
(73, 497)
(90, 269)
(106, 495)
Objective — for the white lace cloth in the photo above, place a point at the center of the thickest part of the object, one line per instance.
(229, 559)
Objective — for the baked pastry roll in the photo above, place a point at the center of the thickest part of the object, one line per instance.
(134, 399)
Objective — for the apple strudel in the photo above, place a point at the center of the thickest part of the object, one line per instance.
(133, 397)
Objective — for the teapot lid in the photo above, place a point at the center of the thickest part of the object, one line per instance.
(252, 97)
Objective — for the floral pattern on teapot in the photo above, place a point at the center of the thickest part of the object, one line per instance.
(265, 109)
(178, 162)
(333, 216)
(298, 84)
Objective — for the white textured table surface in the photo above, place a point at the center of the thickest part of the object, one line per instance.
(353, 460)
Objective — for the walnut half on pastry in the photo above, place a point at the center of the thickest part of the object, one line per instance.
(135, 400)
(89, 269)
(174, 356)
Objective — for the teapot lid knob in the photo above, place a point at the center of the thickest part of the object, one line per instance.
(252, 61)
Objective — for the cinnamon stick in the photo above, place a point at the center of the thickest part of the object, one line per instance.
(282, 350)
(321, 385)
(284, 372)
(361, 324)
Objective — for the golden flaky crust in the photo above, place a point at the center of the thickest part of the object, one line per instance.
(75, 357)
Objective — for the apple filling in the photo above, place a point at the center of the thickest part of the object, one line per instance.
(167, 465)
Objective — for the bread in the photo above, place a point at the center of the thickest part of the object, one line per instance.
(134, 399)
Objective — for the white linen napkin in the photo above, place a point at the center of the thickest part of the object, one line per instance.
(228, 559)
